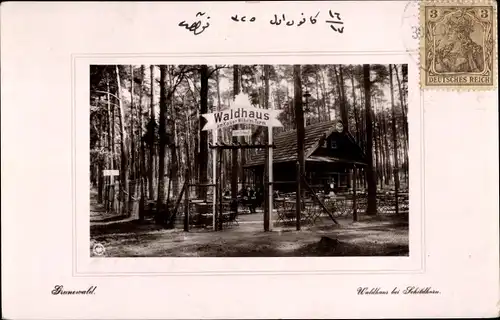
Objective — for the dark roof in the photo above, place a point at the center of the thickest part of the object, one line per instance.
(286, 143)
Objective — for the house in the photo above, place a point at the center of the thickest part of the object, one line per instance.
(330, 154)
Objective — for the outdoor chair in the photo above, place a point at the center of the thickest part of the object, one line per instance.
(230, 219)
(229, 216)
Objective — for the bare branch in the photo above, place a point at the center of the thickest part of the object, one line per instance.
(217, 68)
(191, 91)
(106, 101)
(106, 92)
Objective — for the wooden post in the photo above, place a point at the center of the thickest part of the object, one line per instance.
(186, 202)
(111, 194)
(298, 196)
(354, 204)
(220, 183)
(234, 152)
(214, 178)
(266, 190)
(270, 177)
(269, 181)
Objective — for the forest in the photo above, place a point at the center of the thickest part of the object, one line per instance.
(145, 121)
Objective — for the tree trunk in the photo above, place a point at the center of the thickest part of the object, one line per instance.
(403, 105)
(152, 141)
(111, 144)
(405, 123)
(299, 120)
(343, 106)
(377, 149)
(387, 151)
(203, 155)
(321, 113)
(111, 124)
(362, 125)
(372, 184)
(241, 171)
(113, 154)
(382, 155)
(132, 151)
(344, 112)
(132, 176)
(174, 162)
(142, 156)
(124, 148)
(323, 89)
(100, 178)
(394, 140)
(161, 213)
(234, 152)
(267, 187)
(354, 108)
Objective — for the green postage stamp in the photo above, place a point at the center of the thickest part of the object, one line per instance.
(458, 42)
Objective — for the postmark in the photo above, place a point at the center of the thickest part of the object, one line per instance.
(457, 47)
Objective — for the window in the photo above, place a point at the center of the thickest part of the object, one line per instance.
(333, 144)
(325, 144)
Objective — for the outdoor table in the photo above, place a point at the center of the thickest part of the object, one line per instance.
(311, 211)
(285, 210)
(199, 217)
(288, 213)
(339, 205)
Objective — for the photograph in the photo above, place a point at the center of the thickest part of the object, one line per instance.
(249, 160)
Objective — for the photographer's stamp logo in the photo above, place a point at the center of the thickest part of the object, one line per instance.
(98, 249)
(458, 44)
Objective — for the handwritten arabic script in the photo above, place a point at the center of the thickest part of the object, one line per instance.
(194, 27)
(201, 24)
(277, 21)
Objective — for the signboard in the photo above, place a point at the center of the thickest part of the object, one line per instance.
(110, 172)
(241, 115)
(242, 133)
(241, 112)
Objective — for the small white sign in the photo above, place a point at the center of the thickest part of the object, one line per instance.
(242, 133)
(110, 172)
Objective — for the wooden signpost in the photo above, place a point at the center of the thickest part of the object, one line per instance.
(241, 112)
(111, 174)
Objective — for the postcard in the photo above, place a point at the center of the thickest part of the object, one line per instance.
(202, 160)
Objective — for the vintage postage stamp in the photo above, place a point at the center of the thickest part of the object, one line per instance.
(458, 41)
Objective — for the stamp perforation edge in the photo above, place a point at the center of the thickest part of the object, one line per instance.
(460, 35)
